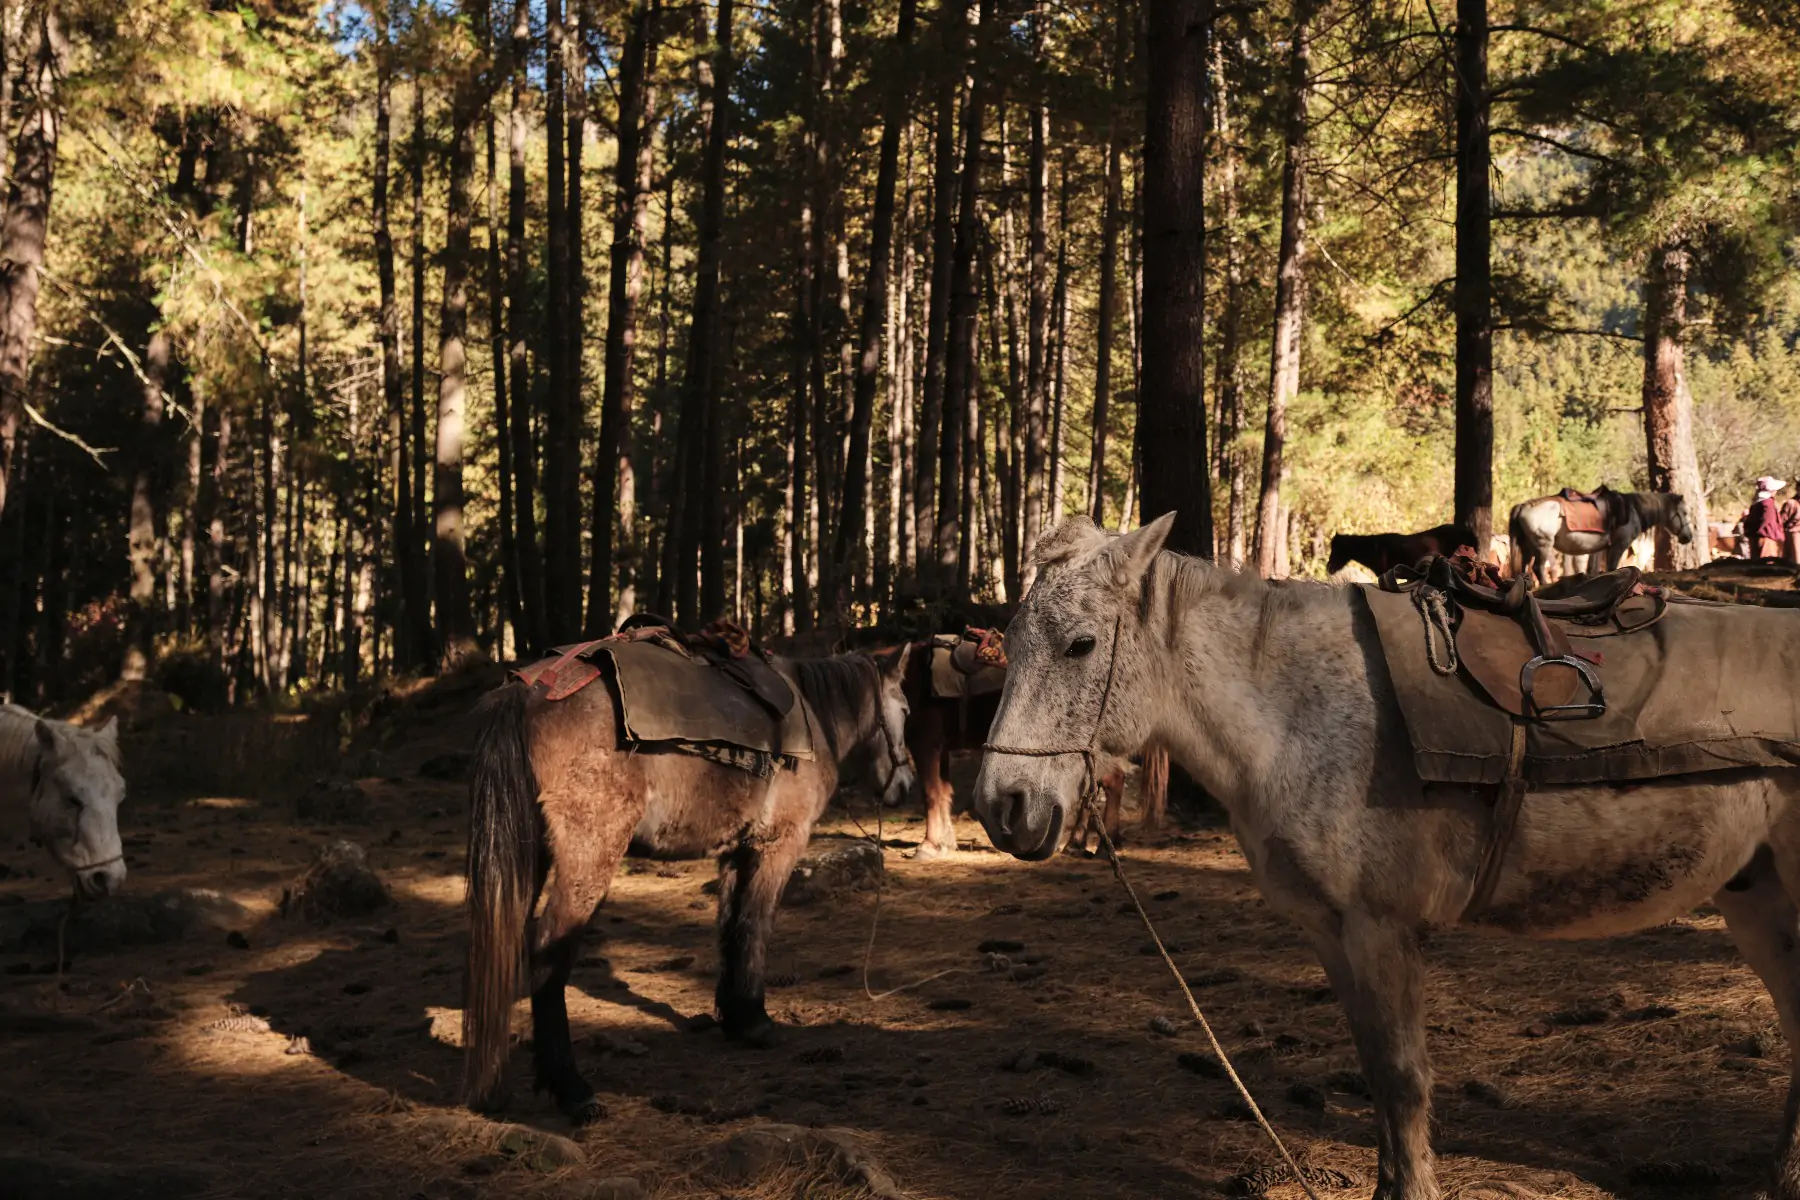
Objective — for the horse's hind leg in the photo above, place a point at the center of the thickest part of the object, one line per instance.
(1766, 926)
(751, 876)
(589, 841)
(1379, 975)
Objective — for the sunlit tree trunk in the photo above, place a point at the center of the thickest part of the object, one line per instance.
(455, 621)
(954, 480)
(1037, 274)
(26, 220)
(1228, 370)
(423, 636)
(614, 503)
(140, 619)
(532, 638)
(1171, 426)
(930, 419)
(1059, 304)
(562, 485)
(1668, 405)
(1290, 304)
(1113, 214)
(511, 605)
(848, 549)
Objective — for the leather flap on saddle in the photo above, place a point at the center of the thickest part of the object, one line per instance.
(668, 696)
(1494, 650)
(957, 669)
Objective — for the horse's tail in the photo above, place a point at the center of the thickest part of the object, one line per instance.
(1515, 529)
(502, 870)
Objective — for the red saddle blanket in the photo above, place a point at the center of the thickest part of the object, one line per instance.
(1583, 512)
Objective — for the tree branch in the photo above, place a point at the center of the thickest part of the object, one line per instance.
(1554, 143)
(1538, 327)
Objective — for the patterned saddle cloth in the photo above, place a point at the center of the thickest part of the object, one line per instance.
(972, 663)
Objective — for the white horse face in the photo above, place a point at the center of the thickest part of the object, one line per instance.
(1680, 524)
(1072, 684)
(76, 793)
(895, 774)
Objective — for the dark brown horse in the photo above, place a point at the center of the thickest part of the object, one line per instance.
(936, 726)
(557, 797)
(1380, 552)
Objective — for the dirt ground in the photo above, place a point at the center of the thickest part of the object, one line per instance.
(1645, 1067)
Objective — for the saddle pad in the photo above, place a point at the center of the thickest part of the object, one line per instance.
(951, 681)
(1582, 516)
(1708, 687)
(669, 697)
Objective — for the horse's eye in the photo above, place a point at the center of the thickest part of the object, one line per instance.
(73, 802)
(1081, 647)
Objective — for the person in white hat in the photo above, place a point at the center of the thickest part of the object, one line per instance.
(1764, 528)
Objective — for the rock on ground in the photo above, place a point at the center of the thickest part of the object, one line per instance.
(334, 801)
(120, 922)
(339, 883)
(820, 876)
(750, 1154)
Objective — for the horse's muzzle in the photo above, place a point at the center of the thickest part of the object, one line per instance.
(1008, 818)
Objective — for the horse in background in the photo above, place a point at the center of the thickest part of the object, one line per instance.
(558, 795)
(937, 726)
(73, 782)
(1381, 552)
(1604, 523)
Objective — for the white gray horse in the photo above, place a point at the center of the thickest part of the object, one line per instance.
(71, 779)
(1538, 527)
(1277, 700)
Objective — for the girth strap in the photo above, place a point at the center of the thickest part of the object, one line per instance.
(1509, 798)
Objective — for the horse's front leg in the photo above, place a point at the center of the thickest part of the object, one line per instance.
(751, 877)
(931, 758)
(1759, 908)
(1379, 975)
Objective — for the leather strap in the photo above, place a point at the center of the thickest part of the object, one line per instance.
(1508, 799)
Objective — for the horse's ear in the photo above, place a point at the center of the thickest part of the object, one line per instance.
(1067, 539)
(46, 736)
(1129, 556)
(109, 732)
(895, 666)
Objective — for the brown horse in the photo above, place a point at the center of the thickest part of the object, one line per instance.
(936, 726)
(1382, 551)
(558, 796)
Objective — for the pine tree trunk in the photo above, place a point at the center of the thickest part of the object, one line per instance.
(1059, 303)
(1112, 215)
(955, 476)
(930, 420)
(1171, 425)
(1290, 303)
(562, 492)
(711, 332)
(195, 440)
(140, 619)
(848, 548)
(577, 47)
(455, 620)
(26, 221)
(633, 182)
(1228, 371)
(1037, 363)
(532, 637)
(388, 334)
(1473, 294)
(423, 636)
(511, 605)
(800, 416)
(1668, 405)
(213, 512)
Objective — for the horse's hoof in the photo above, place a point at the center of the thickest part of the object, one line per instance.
(932, 852)
(758, 1033)
(584, 1111)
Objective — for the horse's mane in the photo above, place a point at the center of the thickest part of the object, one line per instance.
(839, 691)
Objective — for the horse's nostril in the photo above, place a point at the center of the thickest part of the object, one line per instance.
(101, 882)
(1012, 813)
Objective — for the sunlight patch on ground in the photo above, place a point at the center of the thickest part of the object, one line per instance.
(223, 802)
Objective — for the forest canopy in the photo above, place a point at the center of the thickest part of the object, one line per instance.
(345, 338)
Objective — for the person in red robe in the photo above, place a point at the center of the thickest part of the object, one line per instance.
(1765, 527)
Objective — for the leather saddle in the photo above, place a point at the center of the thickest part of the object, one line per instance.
(1518, 647)
(970, 664)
